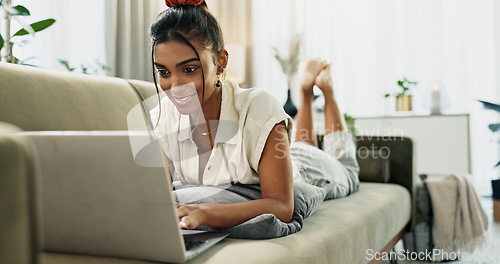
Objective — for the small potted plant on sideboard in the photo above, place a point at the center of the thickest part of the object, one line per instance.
(404, 98)
(350, 123)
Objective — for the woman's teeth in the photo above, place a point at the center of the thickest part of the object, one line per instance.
(183, 100)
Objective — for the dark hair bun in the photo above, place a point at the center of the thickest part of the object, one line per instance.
(171, 3)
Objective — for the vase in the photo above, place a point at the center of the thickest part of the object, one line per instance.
(403, 103)
(289, 106)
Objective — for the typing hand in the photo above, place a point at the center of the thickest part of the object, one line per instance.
(190, 216)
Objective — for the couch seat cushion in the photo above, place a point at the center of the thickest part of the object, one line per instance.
(340, 231)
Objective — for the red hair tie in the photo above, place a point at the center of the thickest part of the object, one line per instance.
(171, 3)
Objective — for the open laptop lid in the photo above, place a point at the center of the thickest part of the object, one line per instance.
(97, 200)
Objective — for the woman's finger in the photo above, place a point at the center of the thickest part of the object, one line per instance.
(183, 223)
(182, 211)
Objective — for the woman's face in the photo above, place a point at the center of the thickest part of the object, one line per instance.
(181, 77)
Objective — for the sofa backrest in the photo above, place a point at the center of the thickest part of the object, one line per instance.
(36, 99)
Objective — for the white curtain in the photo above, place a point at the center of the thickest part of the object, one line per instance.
(128, 45)
(88, 33)
(235, 18)
(77, 36)
(372, 44)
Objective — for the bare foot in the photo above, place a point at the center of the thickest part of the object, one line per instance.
(311, 71)
(324, 81)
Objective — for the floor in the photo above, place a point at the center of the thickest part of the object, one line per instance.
(490, 254)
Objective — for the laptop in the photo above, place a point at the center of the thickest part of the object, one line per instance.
(109, 194)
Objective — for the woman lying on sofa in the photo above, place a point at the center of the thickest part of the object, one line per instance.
(213, 133)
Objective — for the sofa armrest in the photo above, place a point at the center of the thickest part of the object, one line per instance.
(388, 159)
(374, 165)
(401, 158)
(18, 239)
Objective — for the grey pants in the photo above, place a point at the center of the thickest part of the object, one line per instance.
(334, 169)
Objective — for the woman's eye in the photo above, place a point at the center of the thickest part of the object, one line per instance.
(163, 72)
(190, 69)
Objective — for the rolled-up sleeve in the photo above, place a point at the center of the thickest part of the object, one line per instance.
(263, 114)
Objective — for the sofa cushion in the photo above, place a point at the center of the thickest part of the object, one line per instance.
(39, 99)
(340, 231)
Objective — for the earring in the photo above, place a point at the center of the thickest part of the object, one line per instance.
(223, 74)
(218, 83)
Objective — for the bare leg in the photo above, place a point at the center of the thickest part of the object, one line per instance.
(305, 131)
(305, 120)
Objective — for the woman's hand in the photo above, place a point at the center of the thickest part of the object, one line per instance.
(191, 215)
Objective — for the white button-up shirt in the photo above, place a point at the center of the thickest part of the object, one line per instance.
(246, 119)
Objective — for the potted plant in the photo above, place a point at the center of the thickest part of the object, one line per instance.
(289, 66)
(350, 123)
(15, 12)
(404, 98)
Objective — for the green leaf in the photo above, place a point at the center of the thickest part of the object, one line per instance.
(387, 95)
(23, 62)
(19, 10)
(494, 127)
(66, 64)
(1, 42)
(37, 26)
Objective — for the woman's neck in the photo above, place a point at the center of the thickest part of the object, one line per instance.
(210, 110)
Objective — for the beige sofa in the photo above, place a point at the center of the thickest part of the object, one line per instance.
(345, 230)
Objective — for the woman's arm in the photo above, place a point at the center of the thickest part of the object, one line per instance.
(275, 175)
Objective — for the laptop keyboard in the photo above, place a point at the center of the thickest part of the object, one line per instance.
(190, 244)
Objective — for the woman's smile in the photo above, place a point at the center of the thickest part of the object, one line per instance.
(184, 100)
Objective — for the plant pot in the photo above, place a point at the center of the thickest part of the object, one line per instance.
(403, 103)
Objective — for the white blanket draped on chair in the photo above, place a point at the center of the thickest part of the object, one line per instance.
(459, 220)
